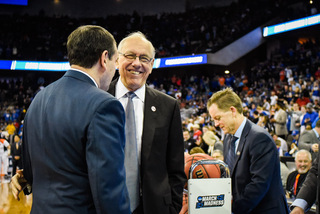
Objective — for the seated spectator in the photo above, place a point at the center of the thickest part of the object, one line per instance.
(273, 98)
(294, 144)
(253, 108)
(266, 104)
(263, 111)
(265, 123)
(315, 91)
(196, 149)
(309, 116)
(217, 154)
(296, 178)
(278, 145)
(304, 100)
(7, 116)
(255, 117)
(189, 142)
(185, 111)
(200, 143)
(283, 146)
(196, 131)
(212, 141)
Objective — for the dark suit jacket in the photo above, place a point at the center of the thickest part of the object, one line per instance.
(73, 149)
(256, 182)
(162, 158)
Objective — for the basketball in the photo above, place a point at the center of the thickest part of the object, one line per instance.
(202, 170)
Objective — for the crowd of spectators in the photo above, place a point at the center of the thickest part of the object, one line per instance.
(291, 76)
(200, 30)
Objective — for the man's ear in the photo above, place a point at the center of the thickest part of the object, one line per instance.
(104, 57)
(152, 62)
(117, 64)
(233, 110)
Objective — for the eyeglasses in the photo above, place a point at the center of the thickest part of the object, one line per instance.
(132, 57)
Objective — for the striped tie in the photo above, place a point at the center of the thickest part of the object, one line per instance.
(231, 157)
(131, 155)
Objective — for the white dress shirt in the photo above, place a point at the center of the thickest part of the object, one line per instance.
(86, 75)
(138, 103)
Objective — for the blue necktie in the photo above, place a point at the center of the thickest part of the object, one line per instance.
(231, 157)
(131, 155)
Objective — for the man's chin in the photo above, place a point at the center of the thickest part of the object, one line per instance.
(302, 171)
(225, 131)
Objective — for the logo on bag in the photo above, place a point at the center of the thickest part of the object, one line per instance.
(210, 201)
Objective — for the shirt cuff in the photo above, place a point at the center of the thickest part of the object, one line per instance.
(299, 203)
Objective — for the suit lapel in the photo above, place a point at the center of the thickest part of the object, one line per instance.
(151, 112)
(242, 141)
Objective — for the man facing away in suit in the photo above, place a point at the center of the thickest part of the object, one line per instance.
(157, 126)
(74, 161)
(252, 158)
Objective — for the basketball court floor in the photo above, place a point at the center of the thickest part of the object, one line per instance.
(8, 204)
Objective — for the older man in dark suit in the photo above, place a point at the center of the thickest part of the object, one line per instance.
(309, 192)
(252, 157)
(73, 138)
(158, 131)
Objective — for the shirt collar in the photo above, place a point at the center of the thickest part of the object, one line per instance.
(121, 91)
(87, 75)
(240, 129)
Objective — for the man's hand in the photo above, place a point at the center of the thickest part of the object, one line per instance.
(297, 210)
(315, 147)
(18, 183)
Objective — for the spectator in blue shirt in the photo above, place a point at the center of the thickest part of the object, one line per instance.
(310, 115)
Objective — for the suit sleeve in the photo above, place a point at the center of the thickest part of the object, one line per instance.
(309, 188)
(105, 158)
(305, 141)
(263, 161)
(175, 159)
(26, 162)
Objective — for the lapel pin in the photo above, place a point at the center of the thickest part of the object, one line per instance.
(238, 153)
(153, 108)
